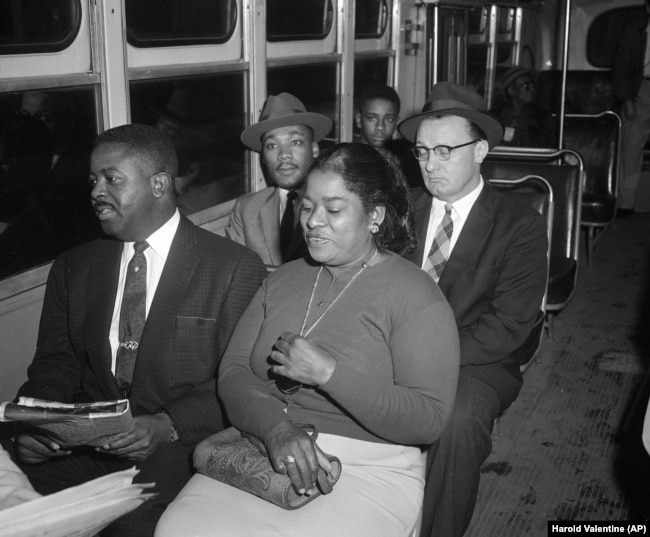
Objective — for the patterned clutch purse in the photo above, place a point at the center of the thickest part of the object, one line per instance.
(242, 462)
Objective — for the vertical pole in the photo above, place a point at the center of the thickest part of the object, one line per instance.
(565, 64)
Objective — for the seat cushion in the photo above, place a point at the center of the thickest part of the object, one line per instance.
(597, 209)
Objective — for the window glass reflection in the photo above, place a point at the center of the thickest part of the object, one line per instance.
(45, 144)
(32, 26)
(204, 116)
(295, 20)
(370, 18)
(160, 23)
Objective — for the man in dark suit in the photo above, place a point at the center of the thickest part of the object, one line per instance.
(196, 287)
(488, 256)
(286, 136)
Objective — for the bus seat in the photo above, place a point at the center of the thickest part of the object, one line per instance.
(597, 139)
(535, 191)
(567, 183)
(587, 92)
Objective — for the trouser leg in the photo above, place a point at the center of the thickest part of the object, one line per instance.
(454, 462)
(634, 135)
(169, 468)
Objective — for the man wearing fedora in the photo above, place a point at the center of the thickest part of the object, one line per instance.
(286, 136)
(526, 124)
(488, 255)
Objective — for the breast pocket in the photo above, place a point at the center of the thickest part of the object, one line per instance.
(195, 346)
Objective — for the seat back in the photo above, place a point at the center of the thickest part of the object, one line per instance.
(597, 139)
(566, 181)
(536, 192)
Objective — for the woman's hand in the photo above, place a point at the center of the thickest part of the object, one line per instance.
(292, 451)
(302, 360)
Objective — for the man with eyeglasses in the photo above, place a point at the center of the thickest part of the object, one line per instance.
(526, 124)
(488, 255)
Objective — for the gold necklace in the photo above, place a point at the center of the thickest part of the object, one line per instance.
(304, 333)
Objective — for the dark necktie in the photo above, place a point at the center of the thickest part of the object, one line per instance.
(286, 224)
(439, 253)
(132, 317)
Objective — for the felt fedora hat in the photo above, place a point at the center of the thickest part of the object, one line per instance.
(449, 99)
(513, 74)
(283, 110)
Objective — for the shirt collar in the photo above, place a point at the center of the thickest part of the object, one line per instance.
(160, 241)
(462, 206)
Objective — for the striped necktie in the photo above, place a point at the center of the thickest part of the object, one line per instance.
(132, 317)
(439, 253)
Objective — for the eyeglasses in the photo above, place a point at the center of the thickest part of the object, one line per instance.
(442, 152)
(527, 85)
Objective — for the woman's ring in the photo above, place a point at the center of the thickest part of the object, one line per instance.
(289, 459)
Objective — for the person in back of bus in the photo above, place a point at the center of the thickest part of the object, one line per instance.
(526, 124)
(286, 136)
(488, 256)
(143, 314)
(631, 84)
(376, 118)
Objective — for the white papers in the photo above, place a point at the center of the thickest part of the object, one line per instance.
(79, 511)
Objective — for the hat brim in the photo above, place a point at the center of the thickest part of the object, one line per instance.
(251, 136)
(489, 124)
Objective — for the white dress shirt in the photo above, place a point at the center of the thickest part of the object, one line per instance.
(459, 212)
(160, 241)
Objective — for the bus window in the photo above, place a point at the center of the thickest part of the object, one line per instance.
(31, 26)
(298, 20)
(314, 85)
(204, 116)
(45, 144)
(370, 18)
(166, 23)
(604, 34)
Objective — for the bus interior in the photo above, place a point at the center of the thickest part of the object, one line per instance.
(201, 71)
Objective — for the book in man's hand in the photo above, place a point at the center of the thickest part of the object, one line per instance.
(71, 425)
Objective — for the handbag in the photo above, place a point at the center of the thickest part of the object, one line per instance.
(241, 461)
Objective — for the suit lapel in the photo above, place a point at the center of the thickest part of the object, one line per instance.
(477, 226)
(172, 287)
(102, 289)
(269, 218)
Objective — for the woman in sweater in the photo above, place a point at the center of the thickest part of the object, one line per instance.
(356, 341)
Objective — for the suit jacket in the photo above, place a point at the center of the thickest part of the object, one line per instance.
(494, 281)
(255, 223)
(206, 284)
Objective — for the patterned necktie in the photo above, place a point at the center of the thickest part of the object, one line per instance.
(286, 225)
(440, 247)
(132, 316)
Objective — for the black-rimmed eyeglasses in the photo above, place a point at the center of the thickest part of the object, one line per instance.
(442, 152)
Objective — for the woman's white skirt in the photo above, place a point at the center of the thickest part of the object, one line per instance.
(378, 494)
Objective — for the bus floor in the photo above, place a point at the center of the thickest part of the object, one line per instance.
(569, 448)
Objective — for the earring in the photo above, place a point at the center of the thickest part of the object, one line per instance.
(374, 228)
